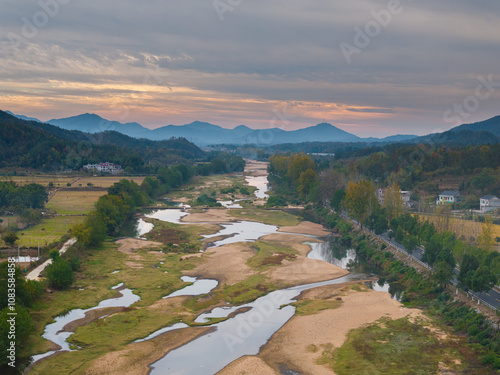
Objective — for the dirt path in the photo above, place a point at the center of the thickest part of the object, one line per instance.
(35, 274)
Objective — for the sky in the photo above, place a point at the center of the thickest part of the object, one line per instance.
(372, 68)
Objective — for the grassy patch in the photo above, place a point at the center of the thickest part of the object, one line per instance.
(177, 238)
(271, 217)
(151, 283)
(269, 255)
(391, 347)
(74, 202)
(209, 184)
(311, 307)
(45, 180)
(243, 292)
(104, 182)
(48, 231)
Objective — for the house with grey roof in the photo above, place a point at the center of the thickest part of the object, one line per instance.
(448, 196)
(489, 203)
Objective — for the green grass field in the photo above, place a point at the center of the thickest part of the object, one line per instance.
(271, 217)
(392, 347)
(45, 180)
(104, 182)
(150, 282)
(74, 202)
(48, 231)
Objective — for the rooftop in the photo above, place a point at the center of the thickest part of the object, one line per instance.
(450, 192)
(489, 197)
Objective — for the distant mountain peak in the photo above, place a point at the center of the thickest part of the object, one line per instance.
(325, 125)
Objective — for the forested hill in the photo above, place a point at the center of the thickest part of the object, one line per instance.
(30, 144)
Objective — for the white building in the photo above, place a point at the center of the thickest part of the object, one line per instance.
(405, 196)
(110, 168)
(489, 203)
(448, 197)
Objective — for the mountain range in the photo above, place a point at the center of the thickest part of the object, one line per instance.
(32, 144)
(204, 134)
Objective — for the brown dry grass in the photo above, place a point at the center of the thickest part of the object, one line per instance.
(104, 182)
(292, 343)
(307, 227)
(135, 358)
(460, 227)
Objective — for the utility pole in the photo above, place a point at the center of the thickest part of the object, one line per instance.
(18, 255)
(38, 249)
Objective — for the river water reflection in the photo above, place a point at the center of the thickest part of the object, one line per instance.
(332, 252)
(262, 185)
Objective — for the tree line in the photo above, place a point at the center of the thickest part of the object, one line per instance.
(479, 265)
(34, 145)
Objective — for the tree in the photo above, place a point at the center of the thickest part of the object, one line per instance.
(92, 232)
(377, 221)
(483, 280)
(360, 200)
(443, 273)
(307, 182)
(399, 235)
(393, 201)
(336, 201)
(468, 266)
(10, 238)
(330, 181)
(60, 274)
(31, 216)
(299, 164)
(410, 243)
(487, 238)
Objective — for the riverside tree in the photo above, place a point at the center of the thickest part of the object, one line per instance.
(360, 200)
(393, 201)
(487, 238)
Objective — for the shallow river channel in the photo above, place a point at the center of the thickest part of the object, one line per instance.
(251, 325)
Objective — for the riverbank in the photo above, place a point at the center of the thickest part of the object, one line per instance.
(335, 311)
(270, 257)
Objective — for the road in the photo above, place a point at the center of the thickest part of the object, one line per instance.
(35, 274)
(491, 297)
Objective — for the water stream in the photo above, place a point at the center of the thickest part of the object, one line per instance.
(54, 331)
(198, 287)
(247, 331)
(239, 336)
(261, 183)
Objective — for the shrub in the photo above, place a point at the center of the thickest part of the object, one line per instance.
(60, 274)
(276, 201)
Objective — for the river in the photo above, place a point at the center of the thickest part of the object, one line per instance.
(244, 333)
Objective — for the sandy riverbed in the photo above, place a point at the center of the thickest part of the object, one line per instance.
(293, 342)
(135, 358)
(307, 227)
(209, 216)
(255, 168)
(228, 264)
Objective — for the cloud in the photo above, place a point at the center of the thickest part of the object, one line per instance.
(175, 61)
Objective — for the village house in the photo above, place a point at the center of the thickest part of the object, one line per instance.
(448, 196)
(405, 196)
(110, 168)
(489, 203)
